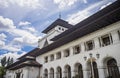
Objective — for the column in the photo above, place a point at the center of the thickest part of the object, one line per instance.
(118, 63)
(62, 54)
(72, 72)
(82, 47)
(71, 51)
(101, 70)
(115, 37)
(55, 73)
(49, 73)
(96, 43)
(63, 72)
(85, 72)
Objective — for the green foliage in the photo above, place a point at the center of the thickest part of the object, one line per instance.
(2, 72)
(3, 61)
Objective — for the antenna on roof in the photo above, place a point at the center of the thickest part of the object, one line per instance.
(59, 15)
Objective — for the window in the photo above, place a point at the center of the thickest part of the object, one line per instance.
(76, 49)
(59, 28)
(46, 59)
(106, 40)
(52, 57)
(89, 45)
(66, 53)
(58, 55)
(62, 29)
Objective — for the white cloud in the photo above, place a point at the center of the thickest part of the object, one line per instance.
(12, 55)
(2, 39)
(2, 43)
(77, 17)
(24, 36)
(6, 23)
(21, 3)
(11, 48)
(85, 1)
(24, 23)
(3, 36)
(67, 3)
(31, 29)
(64, 3)
(81, 15)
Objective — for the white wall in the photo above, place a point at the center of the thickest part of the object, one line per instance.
(105, 52)
(51, 34)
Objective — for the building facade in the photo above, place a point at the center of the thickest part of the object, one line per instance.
(90, 49)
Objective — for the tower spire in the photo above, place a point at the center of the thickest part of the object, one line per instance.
(59, 15)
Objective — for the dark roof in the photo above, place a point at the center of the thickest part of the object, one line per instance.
(81, 25)
(103, 18)
(28, 63)
(24, 62)
(31, 53)
(57, 22)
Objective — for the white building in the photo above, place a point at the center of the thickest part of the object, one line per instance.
(90, 49)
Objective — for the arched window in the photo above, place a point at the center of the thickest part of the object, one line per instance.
(67, 71)
(51, 73)
(59, 72)
(78, 71)
(113, 69)
(46, 73)
(95, 70)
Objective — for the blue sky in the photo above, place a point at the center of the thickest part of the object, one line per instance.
(22, 21)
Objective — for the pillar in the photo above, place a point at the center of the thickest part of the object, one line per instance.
(72, 72)
(82, 47)
(96, 43)
(55, 73)
(115, 37)
(85, 72)
(101, 69)
(71, 51)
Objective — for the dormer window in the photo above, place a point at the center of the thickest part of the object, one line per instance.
(46, 59)
(59, 28)
(76, 49)
(106, 40)
(66, 53)
(62, 29)
(52, 57)
(89, 45)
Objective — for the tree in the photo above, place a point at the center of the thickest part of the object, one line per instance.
(3, 61)
(2, 72)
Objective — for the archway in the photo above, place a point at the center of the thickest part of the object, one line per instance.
(59, 72)
(67, 71)
(46, 73)
(51, 73)
(78, 71)
(113, 71)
